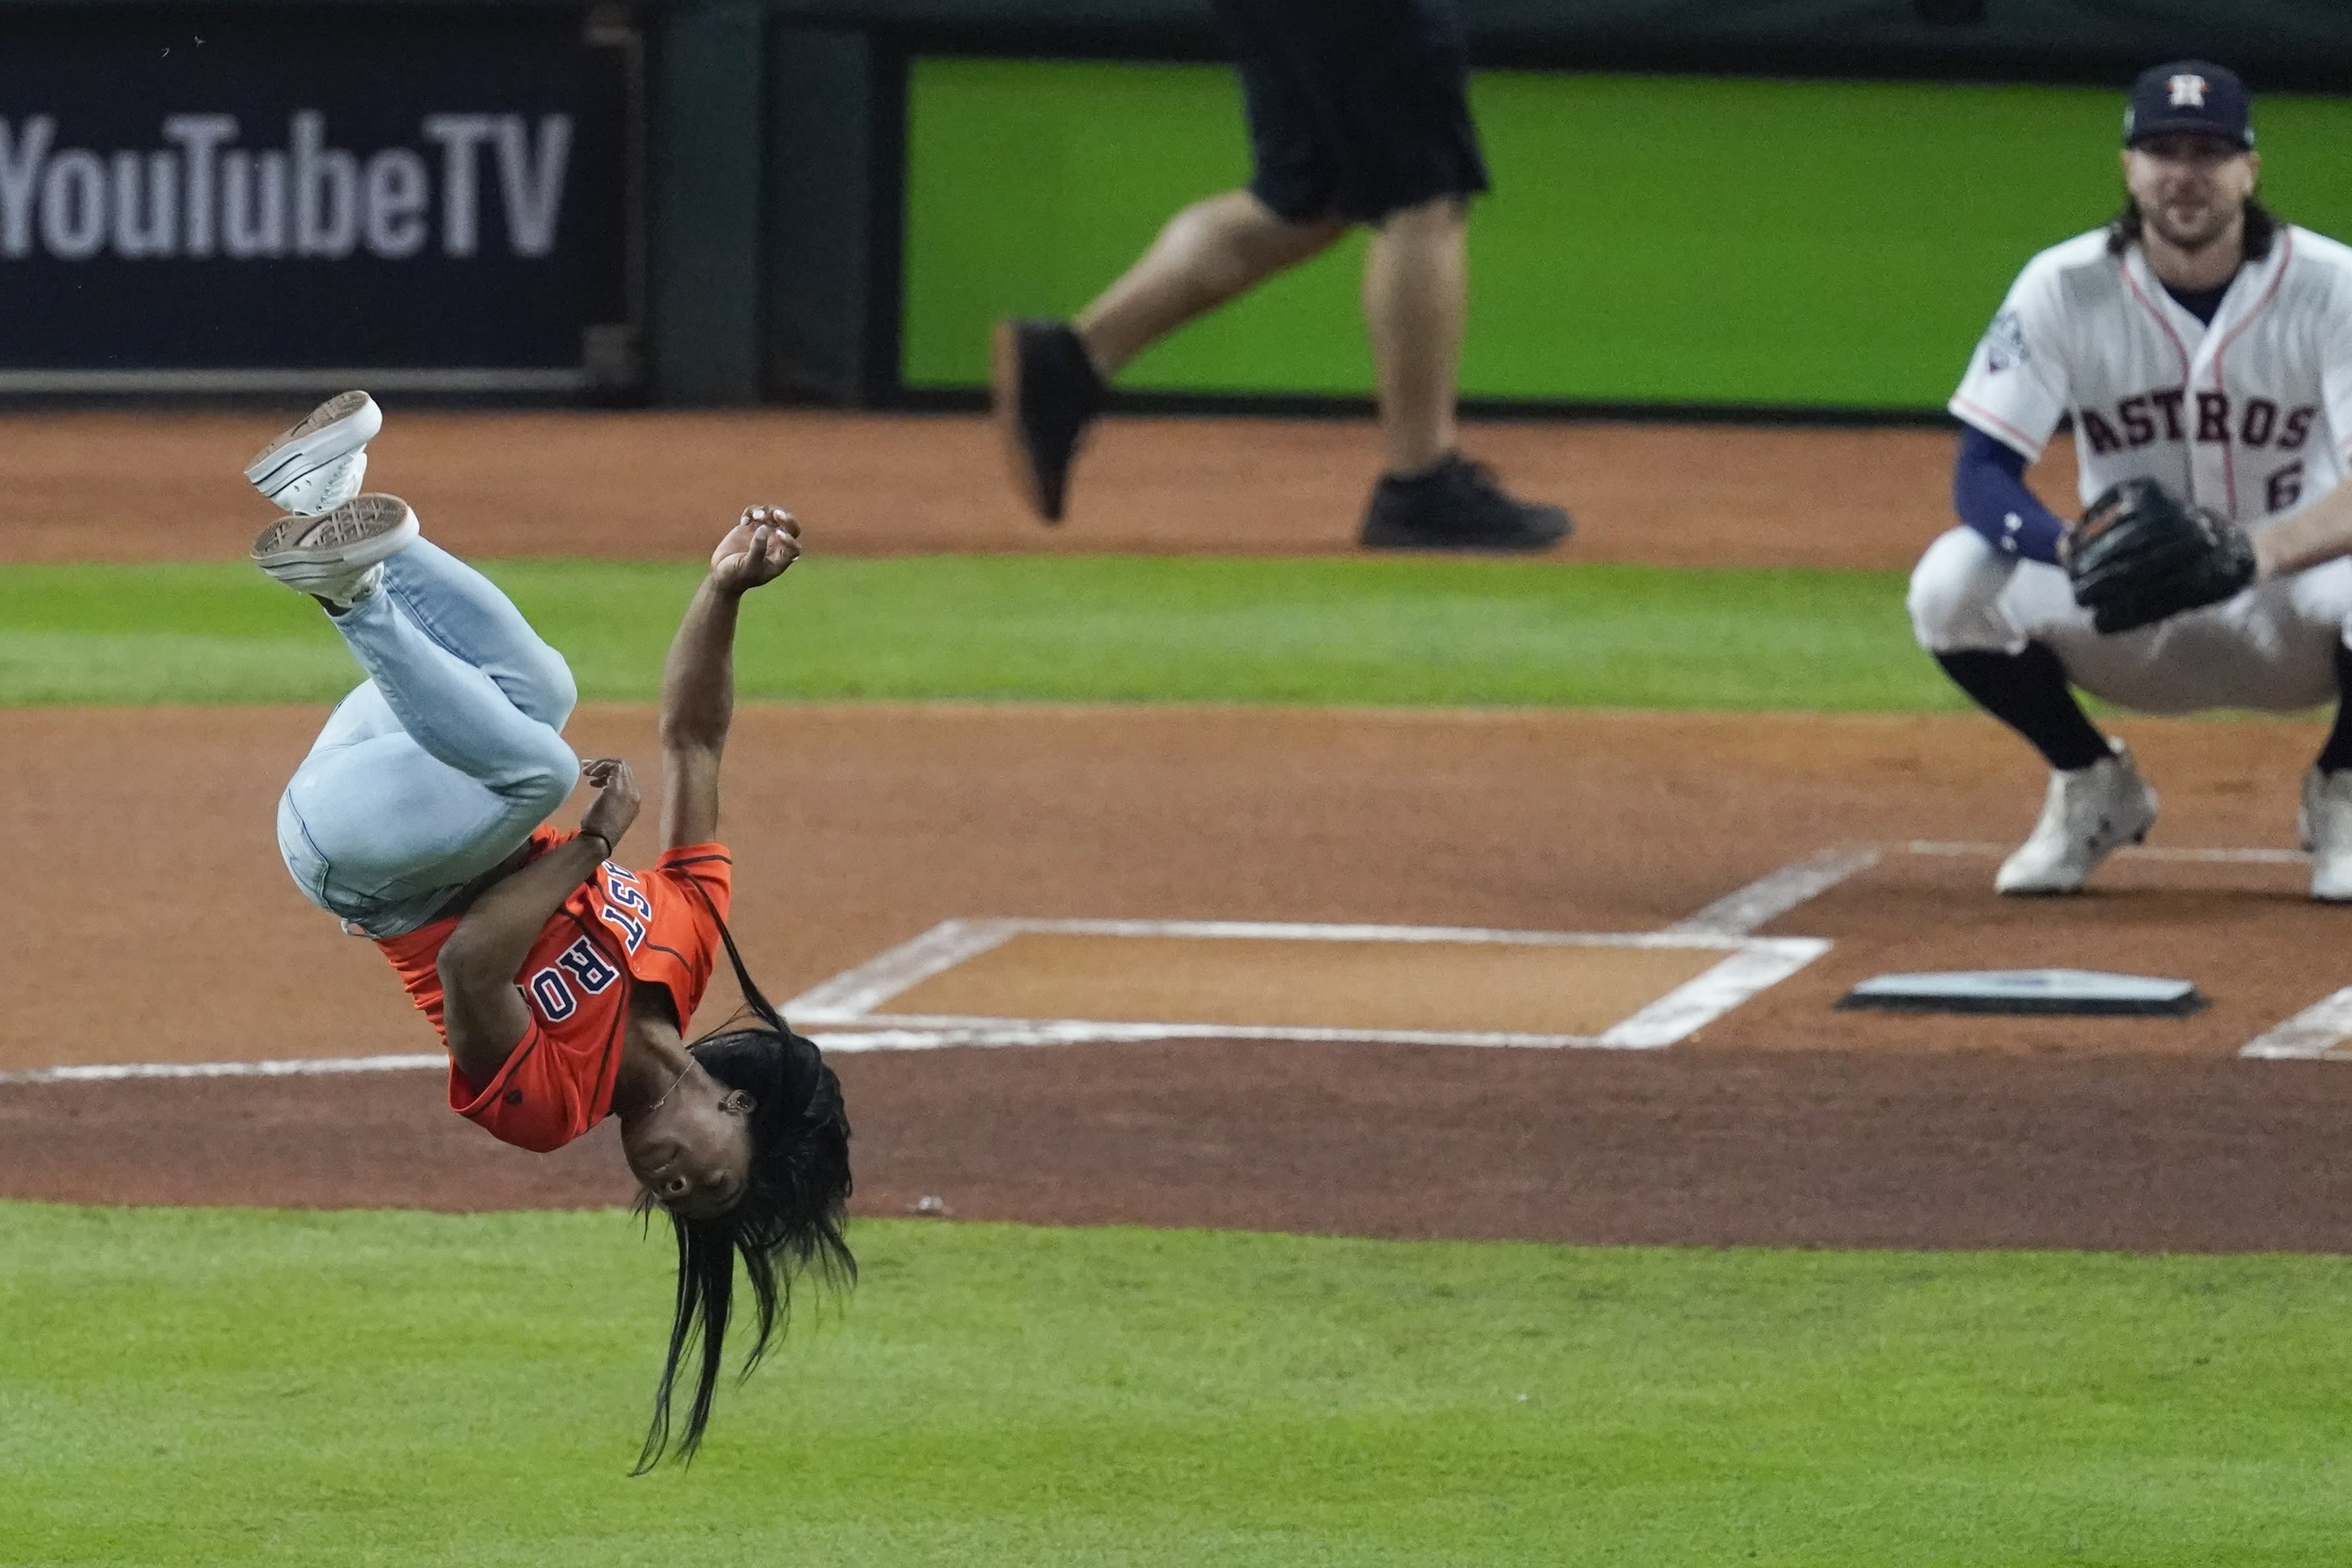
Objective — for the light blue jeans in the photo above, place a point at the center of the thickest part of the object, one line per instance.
(442, 762)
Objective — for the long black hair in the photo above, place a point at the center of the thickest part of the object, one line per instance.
(789, 1220)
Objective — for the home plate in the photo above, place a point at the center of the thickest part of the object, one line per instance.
(2084, 991)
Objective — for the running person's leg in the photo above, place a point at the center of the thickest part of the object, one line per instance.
(1223, 246)
(1416, 299)
(1393, 80)
(1208, 254)
(1050, 378)
(1358, 114)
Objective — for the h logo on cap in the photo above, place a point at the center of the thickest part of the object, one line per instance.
(2188, 92)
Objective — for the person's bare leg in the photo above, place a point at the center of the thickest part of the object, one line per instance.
(1416, 286)
(1206, 255)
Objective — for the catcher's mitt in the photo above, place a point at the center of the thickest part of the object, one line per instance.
(2139, 555)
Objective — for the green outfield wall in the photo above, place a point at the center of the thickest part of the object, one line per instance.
(1665, 240)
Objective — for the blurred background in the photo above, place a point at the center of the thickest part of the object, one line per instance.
(1808, 205)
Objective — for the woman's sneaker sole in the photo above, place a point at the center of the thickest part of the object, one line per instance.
(293, 470)
(329, 556)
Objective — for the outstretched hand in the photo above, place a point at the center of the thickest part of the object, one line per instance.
(617, 798)
(764, 541)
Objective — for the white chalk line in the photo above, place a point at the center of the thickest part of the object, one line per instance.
(1769, 897)
(2315, 1033)
(1761, 964)
(856, 993)
(1749, 965)
(1752, 964)
(1298, 930)
(859, 991)
(976, 1032)
(306, 1067)
(885, 1034)
(938, 1033)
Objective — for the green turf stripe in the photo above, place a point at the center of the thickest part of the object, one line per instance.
(328, 1389)
(1051, 630)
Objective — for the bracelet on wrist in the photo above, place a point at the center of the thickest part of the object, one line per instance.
(608, 843)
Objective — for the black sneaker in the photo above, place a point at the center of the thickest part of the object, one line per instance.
(1458, 505)
(1046, 393)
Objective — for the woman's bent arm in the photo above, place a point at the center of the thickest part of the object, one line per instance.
(483, 1015)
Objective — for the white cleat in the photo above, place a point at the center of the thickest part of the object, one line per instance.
(339, 557)
(317, 465)
(2326, 823)
(2088, 814)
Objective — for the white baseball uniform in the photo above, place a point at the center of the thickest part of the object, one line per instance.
(2251, 416)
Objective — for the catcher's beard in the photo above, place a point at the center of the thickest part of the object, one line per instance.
(2225, 220)
(2198, 239)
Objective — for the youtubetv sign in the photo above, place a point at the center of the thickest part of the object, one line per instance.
(444, 198)
(207, 193)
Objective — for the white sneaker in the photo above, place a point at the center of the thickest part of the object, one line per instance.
(2326, 823)
(339, 557)
(317, 465)
(2088, 814)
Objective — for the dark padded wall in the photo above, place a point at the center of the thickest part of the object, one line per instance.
(2300, 43)
(773, 141)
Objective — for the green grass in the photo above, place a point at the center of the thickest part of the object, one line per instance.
(1050, 629)
(1652, 238)
(362, 1388)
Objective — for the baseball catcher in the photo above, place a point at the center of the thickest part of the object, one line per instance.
(2201, 347)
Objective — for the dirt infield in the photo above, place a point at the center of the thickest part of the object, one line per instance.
(152, 924)
(138, 487)
(858, 828)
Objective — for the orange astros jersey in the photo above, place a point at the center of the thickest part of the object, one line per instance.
(619, 930)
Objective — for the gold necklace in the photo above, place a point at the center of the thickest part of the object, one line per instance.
(681, 1079)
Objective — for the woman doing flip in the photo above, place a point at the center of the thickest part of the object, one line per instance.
(562, 984)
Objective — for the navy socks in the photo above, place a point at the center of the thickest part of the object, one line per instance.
(2028, 691)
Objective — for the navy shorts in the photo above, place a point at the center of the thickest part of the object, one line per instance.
(1357, 108)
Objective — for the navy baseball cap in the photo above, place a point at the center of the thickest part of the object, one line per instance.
(2194, 96)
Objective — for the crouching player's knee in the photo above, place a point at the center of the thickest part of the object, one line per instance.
(1955, 594)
